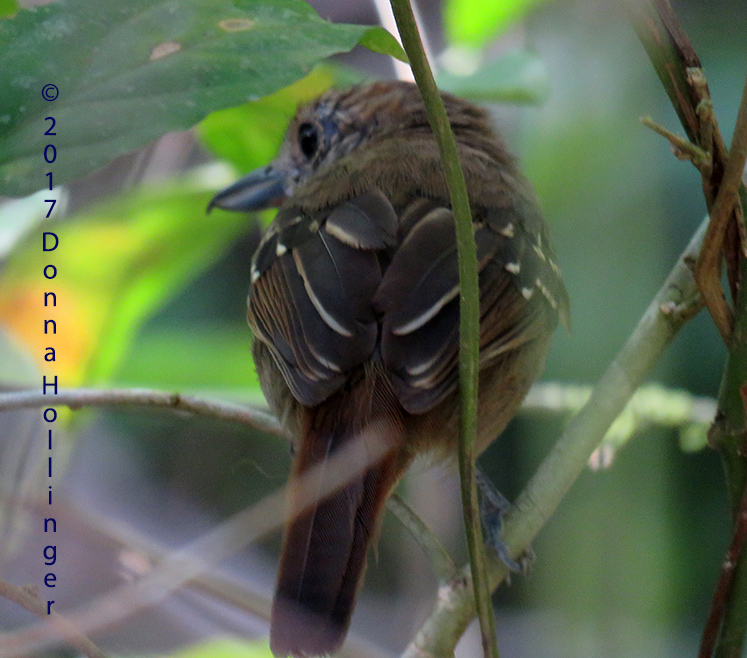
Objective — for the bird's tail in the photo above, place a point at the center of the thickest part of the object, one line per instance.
(355, 437)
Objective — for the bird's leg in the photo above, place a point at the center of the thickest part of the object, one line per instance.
(493, 506)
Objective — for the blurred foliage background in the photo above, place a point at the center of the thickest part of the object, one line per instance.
(154, 296)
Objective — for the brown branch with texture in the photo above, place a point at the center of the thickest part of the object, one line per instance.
(679, 69)
(724, 585)
(681, 74)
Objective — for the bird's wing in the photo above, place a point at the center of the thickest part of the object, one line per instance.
(322, 302)
(313, 279)
(521, 293)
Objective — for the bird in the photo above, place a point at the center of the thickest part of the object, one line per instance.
(354, 309)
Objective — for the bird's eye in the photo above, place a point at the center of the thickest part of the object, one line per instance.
(308, 138)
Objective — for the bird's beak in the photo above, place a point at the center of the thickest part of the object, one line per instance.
(259, 189)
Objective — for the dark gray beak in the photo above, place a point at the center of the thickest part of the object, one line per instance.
(259, 189)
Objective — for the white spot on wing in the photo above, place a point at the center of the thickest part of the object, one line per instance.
(325, 362)
(546, 292)
(508, 230)
(514, 268)
(539, 251)
(328, 319)
(343, 236)
(426, 315)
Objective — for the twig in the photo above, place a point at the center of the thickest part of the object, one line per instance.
(725, 236)
(29, 599)
(182, 566)
(212, 583)
(83, 397)
(656, 329)
(683, 148)
(708, 266)
(469, 313)
(681, 75)
(723, 588)
(438, 556)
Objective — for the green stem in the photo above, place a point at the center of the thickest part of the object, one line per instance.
(469, 309)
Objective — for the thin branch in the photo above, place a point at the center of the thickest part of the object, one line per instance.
(222, 587)
(682, 147)
(185, 564)
(76, 399)
(727, 434)
(668, 48)
(723, 588)
(708, 266)
(469, 313)
(438, 556)
(656, 329)
(681, 75)
(29, 599)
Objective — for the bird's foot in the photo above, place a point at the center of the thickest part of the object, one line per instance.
(493, 506)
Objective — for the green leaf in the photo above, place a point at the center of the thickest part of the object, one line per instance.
(129, 72)
(380, 41)
(116, 264)
(208, 357)
(225, 648)
(474, 22)
(8, 8)
(516, 77)
(249, 135)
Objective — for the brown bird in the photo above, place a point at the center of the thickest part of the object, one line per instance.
(354, 305)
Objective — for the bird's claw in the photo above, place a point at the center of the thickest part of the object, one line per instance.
(493, 506)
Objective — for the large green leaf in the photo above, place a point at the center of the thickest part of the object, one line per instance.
(121, 259)
(128, 72)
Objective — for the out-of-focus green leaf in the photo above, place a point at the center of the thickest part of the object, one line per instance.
(250, 134)
(213, 357)
(128, 72)
(473, 22)
(8, 8)
(225, 648)
(516, 77)
(116, 264)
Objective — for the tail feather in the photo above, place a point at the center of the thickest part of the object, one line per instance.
(324, 553)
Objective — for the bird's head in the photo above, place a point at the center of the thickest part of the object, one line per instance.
(334, 126)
